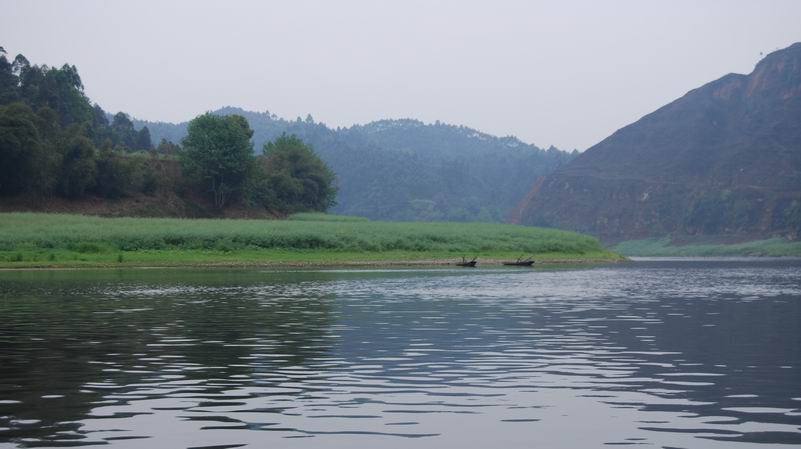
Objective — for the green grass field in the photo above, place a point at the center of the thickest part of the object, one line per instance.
(662, 247)
(55, 240)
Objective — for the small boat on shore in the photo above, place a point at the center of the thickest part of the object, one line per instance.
(467, 263)
(520, 262)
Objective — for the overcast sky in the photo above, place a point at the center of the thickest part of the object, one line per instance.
(567, 73)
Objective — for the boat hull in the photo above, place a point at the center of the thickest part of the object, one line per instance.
(519, 264)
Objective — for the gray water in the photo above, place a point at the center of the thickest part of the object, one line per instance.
(662, 353)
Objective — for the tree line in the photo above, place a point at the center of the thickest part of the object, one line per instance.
(407, 170)
(55, 142)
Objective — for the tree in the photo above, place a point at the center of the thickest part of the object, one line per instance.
(295, 178)
(122, 129)
(9, 82)
(143, 139)
(167, 148)
(21, 149)
(218, 155)
(21, 64)
(60, 89)
(114, 174)
(78, 166)
(50, 133)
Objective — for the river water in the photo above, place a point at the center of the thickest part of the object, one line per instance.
(681, 353)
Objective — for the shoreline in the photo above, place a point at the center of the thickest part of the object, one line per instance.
(390, 263)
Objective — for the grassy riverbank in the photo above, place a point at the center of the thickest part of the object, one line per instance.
(52, 240)
(664, 247)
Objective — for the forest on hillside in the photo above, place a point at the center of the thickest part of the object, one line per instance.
(55, 143)
(723, 160)
(409, 170)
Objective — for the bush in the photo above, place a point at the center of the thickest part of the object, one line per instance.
(292, 178)
(85, 247)
(78, 167)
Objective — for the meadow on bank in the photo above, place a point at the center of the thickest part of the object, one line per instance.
(56, 240)
(664, 247)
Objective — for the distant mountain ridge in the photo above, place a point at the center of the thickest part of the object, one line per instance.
(724, 159)
(408, 170)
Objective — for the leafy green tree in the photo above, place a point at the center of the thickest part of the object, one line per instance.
(60, 89)
(21, 149)
(295, 178)
(9, 83)
(114, 174)
(167, 148)
(122, 129)
(143, 139)
(218, 155)
(20, 64)
(48, 123)
(78, 166)
(99, 127)
(50, 132)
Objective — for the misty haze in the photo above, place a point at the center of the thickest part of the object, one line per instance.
(404, 224)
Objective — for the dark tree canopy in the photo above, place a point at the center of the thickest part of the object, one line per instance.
(20, 148)
(78, 166)
(50, 132)
(122, 125)
(218, 155)
(167, 147)
(59, 89)
(295, 178)
(143, 139)
(54, 141)
(9, 89)
(124, 135)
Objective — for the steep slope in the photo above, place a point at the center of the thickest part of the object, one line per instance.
(725, 159)
(408, 170)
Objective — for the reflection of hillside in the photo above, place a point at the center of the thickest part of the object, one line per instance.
(696, 349)
(137, 335)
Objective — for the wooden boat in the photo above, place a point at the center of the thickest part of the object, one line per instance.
(520, 262)
(467, 263)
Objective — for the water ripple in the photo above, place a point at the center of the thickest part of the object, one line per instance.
(675, 353)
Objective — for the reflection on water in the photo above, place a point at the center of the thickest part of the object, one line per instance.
(672, 353)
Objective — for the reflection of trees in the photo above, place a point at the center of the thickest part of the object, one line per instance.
(745, 345)
(97, 340)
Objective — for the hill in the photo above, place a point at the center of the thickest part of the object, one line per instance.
(724, 160)
(406, 169)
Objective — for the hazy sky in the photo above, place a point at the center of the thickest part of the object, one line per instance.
(567, 73)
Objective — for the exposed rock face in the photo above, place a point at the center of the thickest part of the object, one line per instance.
(724, 159)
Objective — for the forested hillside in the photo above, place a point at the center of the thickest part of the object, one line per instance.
(53, 141)
(59, 152)
(409, 170)
(723, 160)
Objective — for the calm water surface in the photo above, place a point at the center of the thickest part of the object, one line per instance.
(662, 353)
